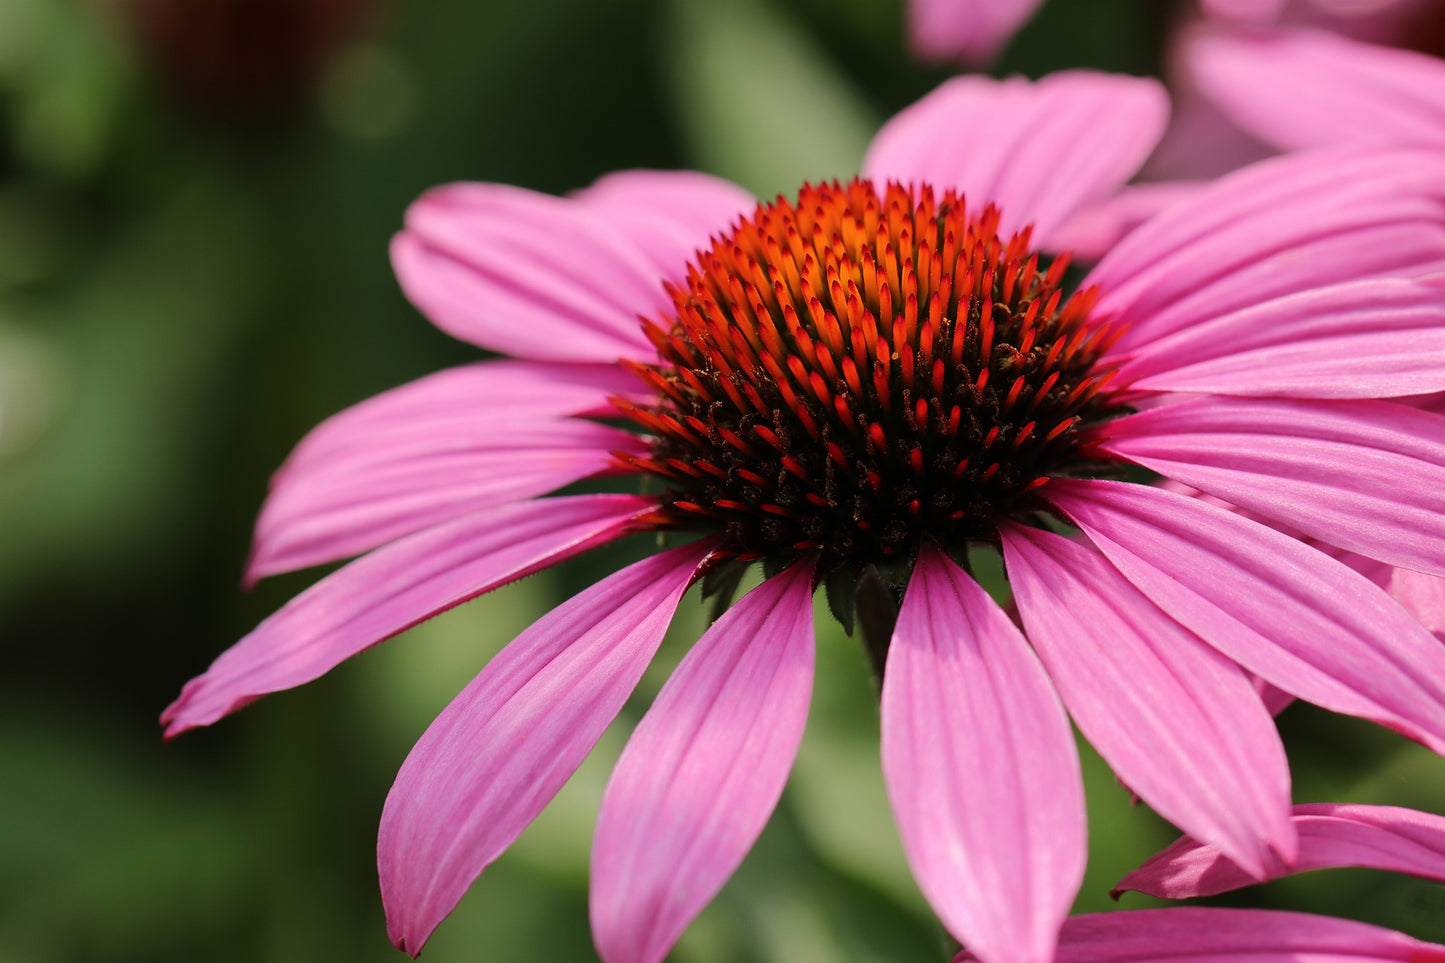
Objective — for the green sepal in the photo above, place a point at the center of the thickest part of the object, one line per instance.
(720, 584)
(841, 588)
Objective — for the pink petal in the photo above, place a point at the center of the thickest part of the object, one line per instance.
(404, 481)
(1373, 338)
(493, 399)
(1097, 227)
(1223, 935)
(981, 768)
(970, 31)
(1368, 476)
(1180, 724)
(1000, 142)
(703, 771)
(490, 392)
(1378, 572)
(1330, 835)
(394, 588)
(1262, 233)
(502, 749)
(1262, 11)
(668, 214)
(1274, 699)
(1423, 596)
(1432, 402)
(1281, 609)
(1310, 88)
(527, 274)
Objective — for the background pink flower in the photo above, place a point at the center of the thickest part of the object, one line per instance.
(969, 31)
(1269, 76)
(1307, 88)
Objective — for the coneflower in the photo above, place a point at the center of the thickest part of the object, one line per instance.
(858, 386)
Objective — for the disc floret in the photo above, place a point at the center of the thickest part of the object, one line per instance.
(851, 372)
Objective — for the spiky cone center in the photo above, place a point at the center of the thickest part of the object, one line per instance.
(853, 372)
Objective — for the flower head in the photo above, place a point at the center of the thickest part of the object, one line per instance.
(873, 378)
(851, 372)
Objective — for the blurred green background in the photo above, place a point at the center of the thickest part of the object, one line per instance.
(195, 202)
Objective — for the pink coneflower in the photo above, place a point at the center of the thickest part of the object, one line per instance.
(856, 386)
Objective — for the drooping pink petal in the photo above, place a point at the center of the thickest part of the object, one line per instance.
(1368, 476)
(491, 400)
(1311, 88)
(1330, 835)
(1262, 233)
(527, 274)
(489, 392)
(1180, 724)
(981, 769)
(502, 749)
(970, 31)
(1221, 935)
(999, 141)
(670, 215)
(703, 771)
(394, 588)
(1097, 227)
(1372, 338)
(405, 481)
(1281, 609)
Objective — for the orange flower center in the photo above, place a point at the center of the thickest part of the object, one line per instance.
(854, 371)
